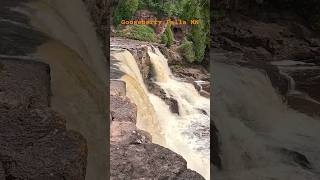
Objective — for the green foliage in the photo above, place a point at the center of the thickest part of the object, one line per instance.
(169, 36)
(182, 9)
(168, 9)
(164, 8)
(199, 38)
(125, 10)
(187, 50)
(164, 39)
(138, 32)
(200, 34)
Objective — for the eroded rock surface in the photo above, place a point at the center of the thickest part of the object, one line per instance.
(34, 141)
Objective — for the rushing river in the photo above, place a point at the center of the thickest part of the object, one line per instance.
(261, 137)
(188, 133)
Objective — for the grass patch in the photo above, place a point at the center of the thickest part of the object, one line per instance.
(138, 32)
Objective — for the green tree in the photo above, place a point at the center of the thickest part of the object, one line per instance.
(169, 34)
(125, 10)
(199, 34)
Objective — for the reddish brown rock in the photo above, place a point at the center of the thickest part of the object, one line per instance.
(148, 161)
(121, 109)
(34, 142)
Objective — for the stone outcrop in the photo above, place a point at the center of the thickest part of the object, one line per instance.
(259, 39)
(34, 141)
(133, 155)
(268, 41)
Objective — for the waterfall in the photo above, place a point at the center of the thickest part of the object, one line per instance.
(260, 135)
(187, 133)
(78, 72)
(138, 93)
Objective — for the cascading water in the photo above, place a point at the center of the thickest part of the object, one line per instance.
(138, 93)
(187, 133)
(78, 71)
(261, 137)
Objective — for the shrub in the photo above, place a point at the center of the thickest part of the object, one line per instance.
(138, 32)
(164, 39)
(125, 10)
(169, 34)
(187, 50)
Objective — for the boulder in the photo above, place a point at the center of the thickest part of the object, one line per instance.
(148, 161)
(171, 102)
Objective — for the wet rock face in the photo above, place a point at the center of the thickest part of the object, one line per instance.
(158, 91)
(34, 141)
(140, 53)
(174, 58)
(123, 118)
